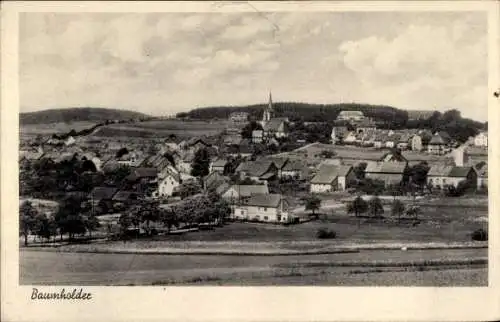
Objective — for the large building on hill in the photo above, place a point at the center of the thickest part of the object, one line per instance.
(351, 116)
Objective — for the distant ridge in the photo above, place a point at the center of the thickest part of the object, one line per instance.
(78, 114)
(419, 115)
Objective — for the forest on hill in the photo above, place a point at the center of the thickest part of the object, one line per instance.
(78, 114)
(386, 117)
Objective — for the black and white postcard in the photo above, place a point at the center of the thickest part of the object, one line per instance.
(250, 160)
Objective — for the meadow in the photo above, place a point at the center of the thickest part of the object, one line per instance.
(54, 128)
(163, 128)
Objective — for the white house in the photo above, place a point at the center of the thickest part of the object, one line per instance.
(167, 184)
(331, 178)
(69, 141)
(350, 138)
(416, 143)
(237, 192)
(481, 139)
(218, 165)
(262, 207)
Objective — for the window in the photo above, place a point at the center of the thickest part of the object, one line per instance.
(265, 208)
(266, 218)
(242, 212)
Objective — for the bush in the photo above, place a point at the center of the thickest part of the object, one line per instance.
(324, 233)
(479, 235)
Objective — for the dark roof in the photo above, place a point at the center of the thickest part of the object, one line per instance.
(219, 163)
(248, 190)
(439, 170)
(255, 168)
(294, 165)
(274, 124)
(460, 172)
(264, 200)
(100, 193)
(386, 167)
(437, 139)
(124, 195)
(327, 173)
(145, 173)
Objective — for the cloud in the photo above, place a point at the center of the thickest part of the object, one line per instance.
(438, 63)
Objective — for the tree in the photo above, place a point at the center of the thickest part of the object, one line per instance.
(188, 188)
(125, 221)
(91, 223)
(357, 206)
(201, 163)
(123, 151)
(359, 170)
(169, 218)
(27, 219)
(69, 217)
(45, 227)
(413, 211)
(246, 132)
(313, 203)
(375, 207)
(397, 208)
(148, 212)
(418, 174)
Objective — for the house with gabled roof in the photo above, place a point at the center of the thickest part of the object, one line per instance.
(276, 127)
(236, 193)
(218, 165)
(270, 208)
(295, 169)
(389, 172)
(99, 194)
(259, 170)
(448, 175)
(332, 178)
(439, 143)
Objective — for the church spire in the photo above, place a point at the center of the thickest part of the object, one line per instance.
(270, 101)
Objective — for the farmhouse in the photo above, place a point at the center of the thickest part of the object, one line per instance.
(218, 165)
(262, 207)
(257, 136)
(439, 143)
(167, 184)
(99, 194)
(442, 176)
(331, 178)
(238, 192)
(296, 169)
(388, 172)
(257, 170)
(481, 139)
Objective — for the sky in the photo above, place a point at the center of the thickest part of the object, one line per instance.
(164, 63)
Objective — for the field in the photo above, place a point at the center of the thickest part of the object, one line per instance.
(355, 153)
(39, 268)
(164, 128)
(54, 128)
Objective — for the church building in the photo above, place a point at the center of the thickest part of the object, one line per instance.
(273, 127)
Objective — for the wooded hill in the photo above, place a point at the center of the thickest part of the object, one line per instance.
(78, 114)
(304, 111)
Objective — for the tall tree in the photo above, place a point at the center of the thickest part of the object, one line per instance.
(201, 163)
(357, 206)
(246, 132)
(27, 219)
(375, 207)
(313, 203)
(397, 208)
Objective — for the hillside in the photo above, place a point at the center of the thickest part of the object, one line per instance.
(78, 114)
(304, 111)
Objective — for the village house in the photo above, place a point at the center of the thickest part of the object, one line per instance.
(350, 138)
(389, 172)
(262, 207)
(332, 178)
(441, 176)
(257, 136)
(216, 182)
(379, 140)
(238, 117)
(102, 194)
(295, 169)
(69, 141)
(143, 180)
(416, 143)
(391, 141)
(236, 193)
(218, 165)
(276, 128)
(167, 184)
(404, 141)
(338, 133)
(365, 126)
(481, 139)
(439, 143)
(124, 198)
(261, 170)
(244, 150)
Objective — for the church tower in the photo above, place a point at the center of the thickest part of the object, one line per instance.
(268, 111)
